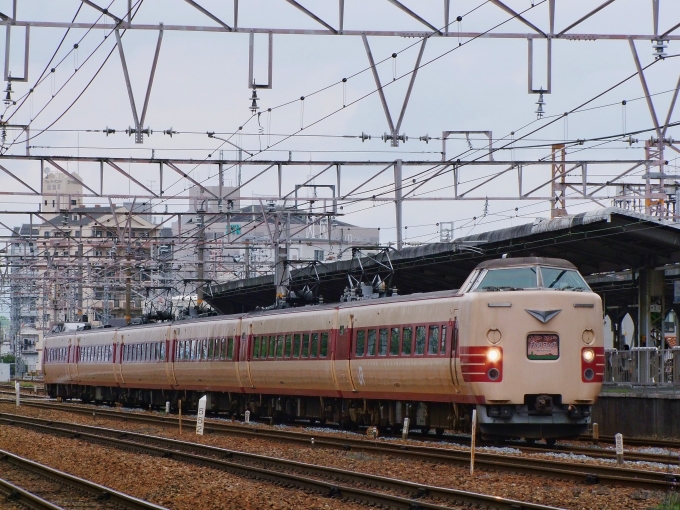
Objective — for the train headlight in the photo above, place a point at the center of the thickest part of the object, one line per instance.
(493, 355)
(588, 336)
(588, 355)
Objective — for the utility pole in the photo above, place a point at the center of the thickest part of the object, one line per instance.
(200, 241)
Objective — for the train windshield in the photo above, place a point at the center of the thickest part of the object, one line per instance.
(563, 279)
(521, 278)
(516, 278)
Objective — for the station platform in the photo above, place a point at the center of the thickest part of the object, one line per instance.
(638, 411)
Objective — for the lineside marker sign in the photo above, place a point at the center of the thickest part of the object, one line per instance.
(200, 417)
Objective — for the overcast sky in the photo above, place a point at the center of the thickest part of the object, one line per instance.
(201, 85)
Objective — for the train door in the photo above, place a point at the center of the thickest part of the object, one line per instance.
(455, 359)
(72, 359)
(170, 348)
(119, 350)
(243, 348)
(343, 333)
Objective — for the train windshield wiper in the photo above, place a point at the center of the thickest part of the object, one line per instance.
(569, 287)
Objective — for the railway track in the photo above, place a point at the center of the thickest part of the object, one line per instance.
(381, 447)
(632, 441)
(582, 473)
(39, 487)
(353, 486)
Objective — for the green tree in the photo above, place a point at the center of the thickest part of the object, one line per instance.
(8, 358)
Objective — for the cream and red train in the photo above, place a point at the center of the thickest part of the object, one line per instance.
(521, 340)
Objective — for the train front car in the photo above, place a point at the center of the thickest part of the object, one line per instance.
(531, 347)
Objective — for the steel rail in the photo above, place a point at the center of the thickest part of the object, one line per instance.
(636, 441)
(24, 497)
(276, 469)
(583, 473)
(101, 492)
(342, 443)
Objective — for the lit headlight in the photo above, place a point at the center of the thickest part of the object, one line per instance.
(493, 355)
(588, 355)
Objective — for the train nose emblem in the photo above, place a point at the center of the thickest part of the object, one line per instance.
(543, 315)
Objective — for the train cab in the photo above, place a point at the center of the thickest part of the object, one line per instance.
(532, 346)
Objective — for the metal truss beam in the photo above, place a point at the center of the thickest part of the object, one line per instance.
(589, 36)
(210, 15)
(530, 173)
(312, 15)
(408, 11)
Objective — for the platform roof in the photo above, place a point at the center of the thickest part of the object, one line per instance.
(602, 241)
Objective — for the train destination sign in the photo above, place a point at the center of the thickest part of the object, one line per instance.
(543, 346)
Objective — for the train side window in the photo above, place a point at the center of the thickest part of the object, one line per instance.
(178, 351)
(162, 351)
(324, 345)
(230, 348)
(289, 346)
(433, 341)
(420, 340)
(371, 342)
(382, 350)
(272, 346)
(315, 345)
(264, 340)
(394, 342)
(279, 346)
(361, 343)
(442, 344)
(256, 347)
(305, 345)
(296, 345)
(205, 349)
(211, 348)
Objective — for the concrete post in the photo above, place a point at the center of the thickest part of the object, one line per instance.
(398, 201)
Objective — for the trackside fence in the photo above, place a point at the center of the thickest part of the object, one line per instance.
(642, 366)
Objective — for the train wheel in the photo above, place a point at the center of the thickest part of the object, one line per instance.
(551, 442)
(439, 432)
(530, 441)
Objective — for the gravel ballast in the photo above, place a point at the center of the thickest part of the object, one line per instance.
(565, 494)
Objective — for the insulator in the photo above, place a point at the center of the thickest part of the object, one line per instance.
(540, 103)
(254, 107)
(659, 48)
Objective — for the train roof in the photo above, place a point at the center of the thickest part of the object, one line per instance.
(263, 313)
(525, 261)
